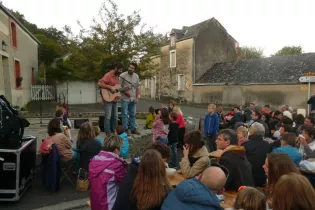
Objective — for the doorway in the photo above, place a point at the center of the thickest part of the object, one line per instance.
(6, 77)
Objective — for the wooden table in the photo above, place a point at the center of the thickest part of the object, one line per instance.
(229, 195)
(229, 199)
(178, 178)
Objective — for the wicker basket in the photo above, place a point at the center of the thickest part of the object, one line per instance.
(83, 181)
(83, 185)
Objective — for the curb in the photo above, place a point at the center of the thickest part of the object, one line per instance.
(67, 205)
(75, 115)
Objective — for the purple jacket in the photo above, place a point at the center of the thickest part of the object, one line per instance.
(106, 171)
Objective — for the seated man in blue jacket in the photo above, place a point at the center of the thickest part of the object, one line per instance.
(197, 194)
(211, 125)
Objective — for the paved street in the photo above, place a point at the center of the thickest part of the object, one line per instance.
(142, 106)
(189, 111)
(83, 208)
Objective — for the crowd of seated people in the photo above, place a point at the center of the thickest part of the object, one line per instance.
(260, 155)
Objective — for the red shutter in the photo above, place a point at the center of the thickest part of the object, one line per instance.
(14, 35)
(17, 72)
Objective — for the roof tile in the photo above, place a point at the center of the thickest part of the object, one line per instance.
(273, 70)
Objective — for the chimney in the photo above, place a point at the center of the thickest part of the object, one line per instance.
(184, 28)
(238, 51)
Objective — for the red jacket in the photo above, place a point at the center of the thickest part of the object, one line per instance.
(180, 120)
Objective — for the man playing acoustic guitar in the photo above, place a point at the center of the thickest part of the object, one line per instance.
(129, 99)
(108, 82)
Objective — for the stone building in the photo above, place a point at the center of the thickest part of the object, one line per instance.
(190, 52)
(272, 81)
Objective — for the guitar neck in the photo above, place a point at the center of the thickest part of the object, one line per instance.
(126, 88)
(122, 89)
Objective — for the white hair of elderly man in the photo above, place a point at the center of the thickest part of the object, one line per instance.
(258, 129)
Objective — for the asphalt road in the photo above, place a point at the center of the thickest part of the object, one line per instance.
(189, 111)
(142, 106)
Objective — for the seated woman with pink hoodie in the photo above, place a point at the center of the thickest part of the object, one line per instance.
(106, 170)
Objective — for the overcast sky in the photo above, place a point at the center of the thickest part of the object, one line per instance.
(270, 24)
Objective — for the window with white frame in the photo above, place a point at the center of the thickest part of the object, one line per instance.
(181, 82)
(173, 58)
(173, 40)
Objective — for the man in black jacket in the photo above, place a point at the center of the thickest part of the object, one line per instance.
(248, 112)
(256, 117)
(256, 152)
(237, 119)
(233, 158)
(311, 101)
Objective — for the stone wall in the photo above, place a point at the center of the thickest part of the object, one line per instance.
(167, 80)
(274, 95)
(166, 83)
(193, 58)
(213, 45)
(138, 144)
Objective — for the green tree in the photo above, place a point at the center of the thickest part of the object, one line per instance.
(49, 49)
(114, 38)
(250, 53)
(289, 50)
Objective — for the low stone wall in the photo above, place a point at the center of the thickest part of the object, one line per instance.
(73, 115)
(138, 144)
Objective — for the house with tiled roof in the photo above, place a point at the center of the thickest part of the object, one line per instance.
(272, 81)
(188, 54)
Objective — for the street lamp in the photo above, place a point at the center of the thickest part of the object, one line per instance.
(4, 46)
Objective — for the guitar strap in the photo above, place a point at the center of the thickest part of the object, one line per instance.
(125, 80)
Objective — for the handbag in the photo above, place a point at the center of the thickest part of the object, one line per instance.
(46, 146)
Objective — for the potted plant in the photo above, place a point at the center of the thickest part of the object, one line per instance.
(19, 82)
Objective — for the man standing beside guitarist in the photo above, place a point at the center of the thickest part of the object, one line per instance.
(108, 82)
(129, 99)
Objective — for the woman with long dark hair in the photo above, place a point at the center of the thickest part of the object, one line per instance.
(151, 185)
(276, 165)
(153, 180)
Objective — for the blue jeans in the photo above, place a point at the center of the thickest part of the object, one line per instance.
(128, 111)
(111, 115)
(162, 140)
(174, 155)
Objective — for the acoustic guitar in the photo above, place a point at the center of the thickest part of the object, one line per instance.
(108, 96)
